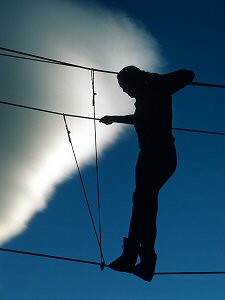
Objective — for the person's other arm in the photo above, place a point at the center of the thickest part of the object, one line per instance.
(172, 82)
(128, 119)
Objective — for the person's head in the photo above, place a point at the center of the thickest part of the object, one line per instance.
(131, 79)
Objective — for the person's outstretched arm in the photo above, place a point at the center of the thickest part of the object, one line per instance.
(172, 82)
(128, 119)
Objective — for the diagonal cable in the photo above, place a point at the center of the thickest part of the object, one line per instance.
(82, 183)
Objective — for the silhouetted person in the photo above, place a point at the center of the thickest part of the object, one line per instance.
(156, 161)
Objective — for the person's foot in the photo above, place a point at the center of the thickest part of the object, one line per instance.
(146, 268)
(126, 262)
(122, 264)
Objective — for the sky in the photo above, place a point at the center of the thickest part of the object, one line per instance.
(42, 205)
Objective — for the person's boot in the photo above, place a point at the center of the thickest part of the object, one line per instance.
(146, 268)
(126, 262)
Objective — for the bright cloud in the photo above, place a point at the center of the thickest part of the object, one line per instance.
(35, 153)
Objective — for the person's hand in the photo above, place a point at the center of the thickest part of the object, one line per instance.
(107, 120)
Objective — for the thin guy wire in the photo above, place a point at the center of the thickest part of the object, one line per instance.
(82, 183)
(59, 62)
(91, 118)
(28, 253)
(96, 164)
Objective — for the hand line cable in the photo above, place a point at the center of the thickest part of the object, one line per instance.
(91, 118)
(59, 62)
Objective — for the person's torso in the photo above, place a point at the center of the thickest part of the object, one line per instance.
(153, 119)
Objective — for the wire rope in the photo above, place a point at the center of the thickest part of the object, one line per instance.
(96, 163)
(83, 186)
(59, 62)
(55, 61)
(32, 57)
(70, 259)
(221, 133)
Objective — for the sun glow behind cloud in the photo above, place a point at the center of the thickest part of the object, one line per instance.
(35, 153)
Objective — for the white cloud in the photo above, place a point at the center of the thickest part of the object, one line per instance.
(35, 153)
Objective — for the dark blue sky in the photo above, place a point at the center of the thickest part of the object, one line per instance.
(191, 219)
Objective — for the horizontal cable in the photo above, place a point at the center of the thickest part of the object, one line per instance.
(27, 58)
(199, 131)
(51, 256)
(45, 110)
(47, 60)
(105, 265)
(91, 118)
(208, 84)
(59, 62)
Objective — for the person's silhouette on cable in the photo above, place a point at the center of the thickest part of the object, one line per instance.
(156, 161)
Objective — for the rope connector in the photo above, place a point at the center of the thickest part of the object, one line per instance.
(102, 266)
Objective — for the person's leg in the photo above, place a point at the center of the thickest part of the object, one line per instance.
(151, 174)
(126, 262)
(145, 202)
(143, 220)
(159, 171)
